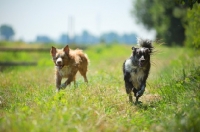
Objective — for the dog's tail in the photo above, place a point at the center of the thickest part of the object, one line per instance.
(145, 43)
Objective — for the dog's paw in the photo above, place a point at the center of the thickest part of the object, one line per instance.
(139, 93)
(62, 86)
(138, 103)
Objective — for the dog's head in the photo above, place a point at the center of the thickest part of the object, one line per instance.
(60, 56)
(141, 56)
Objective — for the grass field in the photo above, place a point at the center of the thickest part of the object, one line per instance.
(171, 102)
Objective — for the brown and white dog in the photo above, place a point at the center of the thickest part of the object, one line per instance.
(67, 63)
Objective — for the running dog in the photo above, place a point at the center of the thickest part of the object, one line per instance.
(136, 69)
(67, 63)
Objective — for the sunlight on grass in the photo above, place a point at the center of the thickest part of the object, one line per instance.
(28, 101)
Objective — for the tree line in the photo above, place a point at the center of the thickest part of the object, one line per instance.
(176, 22)
(87, 38)
(7, 33)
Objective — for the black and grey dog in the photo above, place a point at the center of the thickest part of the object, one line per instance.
(136, 69)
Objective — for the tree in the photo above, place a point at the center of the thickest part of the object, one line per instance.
(86, 38)
(43, 39)
(6, 32)
(64, 39)
(166, 17)
(188, 3)
(110, 37)
(193, 26)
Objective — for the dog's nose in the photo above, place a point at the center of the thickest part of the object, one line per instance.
(142, 59)
(59, 61)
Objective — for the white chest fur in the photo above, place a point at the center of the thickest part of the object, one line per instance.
(137, 74)
(65, 71)
(136, 78)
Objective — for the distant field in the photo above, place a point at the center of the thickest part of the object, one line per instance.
(171, 102)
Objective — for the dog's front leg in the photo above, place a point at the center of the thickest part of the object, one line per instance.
(67, 82)
(140, 92)
(58, 82)
(128, 86)
(142, 89)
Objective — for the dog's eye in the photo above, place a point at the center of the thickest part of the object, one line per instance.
(138, 54)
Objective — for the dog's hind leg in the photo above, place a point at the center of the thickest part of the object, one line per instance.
(85, 79)
(83, 73)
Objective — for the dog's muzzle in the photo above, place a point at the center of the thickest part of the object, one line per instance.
(59, 63)
(141, 61)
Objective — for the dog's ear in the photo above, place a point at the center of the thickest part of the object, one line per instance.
(66, 49)
(53, 51)
(147, 51)
(134, 49)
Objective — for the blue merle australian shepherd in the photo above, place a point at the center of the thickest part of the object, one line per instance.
(136, 69)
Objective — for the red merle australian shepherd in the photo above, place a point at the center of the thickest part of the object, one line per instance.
(67, 63)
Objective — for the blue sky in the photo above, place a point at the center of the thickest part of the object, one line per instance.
(30, 18)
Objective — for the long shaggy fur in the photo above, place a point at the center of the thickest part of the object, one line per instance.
(136, 69)
(145, 43)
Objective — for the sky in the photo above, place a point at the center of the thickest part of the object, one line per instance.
(52, 18)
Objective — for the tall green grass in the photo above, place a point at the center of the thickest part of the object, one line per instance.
(28, 101)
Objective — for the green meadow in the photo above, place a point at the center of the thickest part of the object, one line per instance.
(171, 102)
